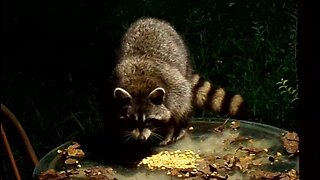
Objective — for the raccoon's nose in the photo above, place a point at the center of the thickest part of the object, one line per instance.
(142, 138)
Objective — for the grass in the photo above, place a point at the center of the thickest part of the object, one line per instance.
(245, 46)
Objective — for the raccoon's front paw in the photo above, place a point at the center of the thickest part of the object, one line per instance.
(169, 137)
(179, 135)
(165, 142)
(173, 137)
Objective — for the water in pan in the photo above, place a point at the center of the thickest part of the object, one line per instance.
(262, 144)
(205, 141)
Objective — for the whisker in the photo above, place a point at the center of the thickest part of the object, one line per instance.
(127, 139)
(156, 129)
(157, 136)
(127, 136)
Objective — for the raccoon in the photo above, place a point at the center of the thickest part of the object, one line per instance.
(156, 90)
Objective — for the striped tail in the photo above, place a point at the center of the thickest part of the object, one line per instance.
(217, 99)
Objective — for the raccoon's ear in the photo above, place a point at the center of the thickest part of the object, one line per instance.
(157, 95)
(122, 95)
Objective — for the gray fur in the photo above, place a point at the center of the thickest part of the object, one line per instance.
(153, 55)
(155, 77)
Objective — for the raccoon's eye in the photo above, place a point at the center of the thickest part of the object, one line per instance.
(132, 117)
(152, 121)
(148, 124)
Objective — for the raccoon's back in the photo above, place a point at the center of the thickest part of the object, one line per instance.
(156, 40)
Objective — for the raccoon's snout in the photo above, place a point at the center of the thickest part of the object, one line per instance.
(141, 138)
(141, 135)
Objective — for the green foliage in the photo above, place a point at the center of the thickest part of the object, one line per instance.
(285, 89)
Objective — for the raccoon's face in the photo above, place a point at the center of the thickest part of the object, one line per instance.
(143, 114)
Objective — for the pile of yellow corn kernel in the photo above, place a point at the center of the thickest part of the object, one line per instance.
(172, 160)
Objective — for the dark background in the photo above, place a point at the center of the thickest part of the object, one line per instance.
(57, 56)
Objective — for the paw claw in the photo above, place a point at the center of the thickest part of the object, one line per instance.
(180, 135)
(165, 142)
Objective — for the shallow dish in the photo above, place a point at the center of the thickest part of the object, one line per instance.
(207, 138)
